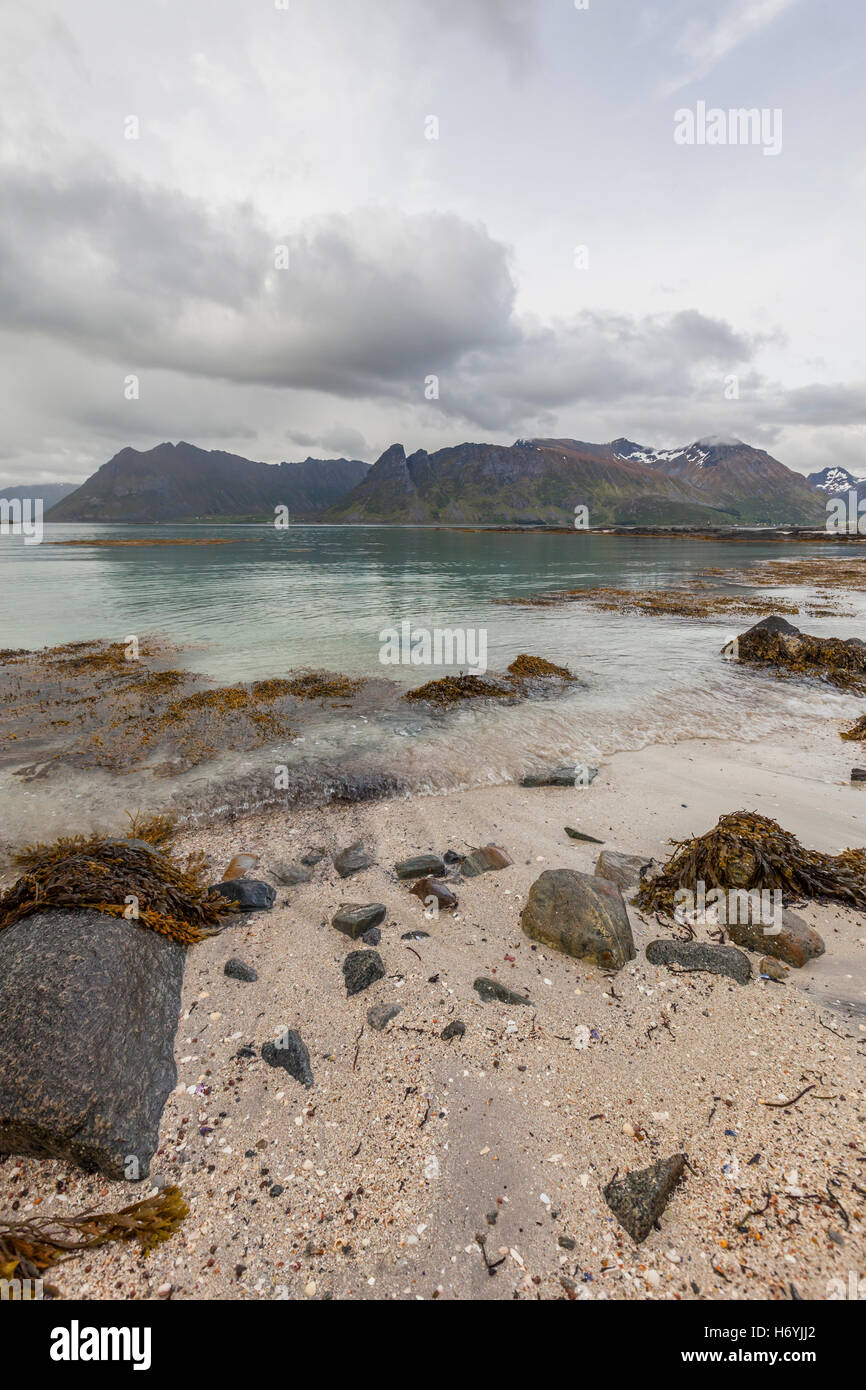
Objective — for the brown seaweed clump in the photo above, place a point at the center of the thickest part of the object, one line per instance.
(857, 732)
(840, 663)
(119, 878)
(450, 689)
(30, 1246)
(525, 667)
(697, 601)
(750, 851)
(316, 685)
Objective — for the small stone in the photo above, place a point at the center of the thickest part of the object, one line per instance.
(381, 1014)
(415, 936)
(287, 875)
(353, 919)
(276, 1190)
(250, 894)
(485, 860)
(352, 860)
(238, 969)
(434, 888)
(773, 969)
(164, 1291)
(491, 1218)
(625, 870)
(240, 865)
(314, 857)
(420, 866)
(696, 955)
(371, 937)
(455, 1029)
(361, 969)
(452, 857)
(858, 774)
(492, 992)
(290, 1052)
(566, 775)
(566, 1242)
(579, 835)
(638, 1200)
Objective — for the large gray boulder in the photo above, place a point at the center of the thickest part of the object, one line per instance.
(581, 915)
(89, 1006)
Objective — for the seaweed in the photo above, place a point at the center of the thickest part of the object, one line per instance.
(525, 667)
(80, 873)
(857, 732)
(751, 851)
(697, 601)
(831, 659)
(450, 689)
(30, 1246)
(315, 685)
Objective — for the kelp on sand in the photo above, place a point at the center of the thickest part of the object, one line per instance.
(751, 851)
(30, 1246)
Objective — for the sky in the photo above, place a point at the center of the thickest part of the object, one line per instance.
(318, 227)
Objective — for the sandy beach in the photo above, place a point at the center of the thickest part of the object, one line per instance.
(377, 1182)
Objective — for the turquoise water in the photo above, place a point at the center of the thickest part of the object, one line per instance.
(321, 597)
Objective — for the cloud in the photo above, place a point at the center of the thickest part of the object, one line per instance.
(708, 39)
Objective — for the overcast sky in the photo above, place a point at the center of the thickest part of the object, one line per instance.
(304, 124)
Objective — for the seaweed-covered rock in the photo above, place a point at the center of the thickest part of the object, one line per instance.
(580, 915)
(624, 870)
(420, 866)
(361, 969)
(353, 919)
(795, 944)
(638, 1200)
(352, 860)
(88, 1013)
(485, 860)
(290, 1052)
(775, 642)
(697, 955)
(248, 894)
(492, 992)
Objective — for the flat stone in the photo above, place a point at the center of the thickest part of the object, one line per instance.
(566, 775)
(287, 875)
(419, 866)
(639, 1199)
(88, 1012)
(434, 888)
(352, 860)
(487, 859)
(361, 969)
(622, 869)
(492, 992)
(580, 915)
(455, 1029)
(238, 969)
(579, 835)
(381, 1014)
(698, 956)
(353, 919)
(795, 944)
(290, 1052)
(250, 894)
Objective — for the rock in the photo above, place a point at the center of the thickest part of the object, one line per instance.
(485, 860)
(492, 992)
(88, 1012)
(238, 969)
(314, 857)
(361, 969)
(420, 866)
(858, 774)
(250, 894)
(776, 624)
(353, 919)
(566, 1242)
(287, 875)
(795, 944)
(579, 835)
(352, 860)
(290, 1052)
(434, 888)
(638, 1200)
(580, 915)
(624, 870)
(566, 775)
(415, 936)
(240, 865)
(455, 1029)
(381, 1014)
(773, 969)
(697, 955)
(371, 937)
(452, 857)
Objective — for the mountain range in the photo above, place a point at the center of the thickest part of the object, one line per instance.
(834, 481)
(533, 481)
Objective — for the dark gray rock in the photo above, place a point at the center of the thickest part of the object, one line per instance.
(566, 775)
(492, 992)
(250, 894)
(361, 969)
(415, 936)
(455, 1029)
(352, 860)
(290, 1052)
(776, 624)
(314, 857)
(795, 944)
(638, 1200)
(88, 1012)
(487, 859)
(579, 835)
(452, 857)
(697, 955)
(371, 937)
(420, 866)
(858, 774)
(622, 869)
(580, 915)
(288, 875)
(353, 919)
(238, 969)
(381, 1014)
